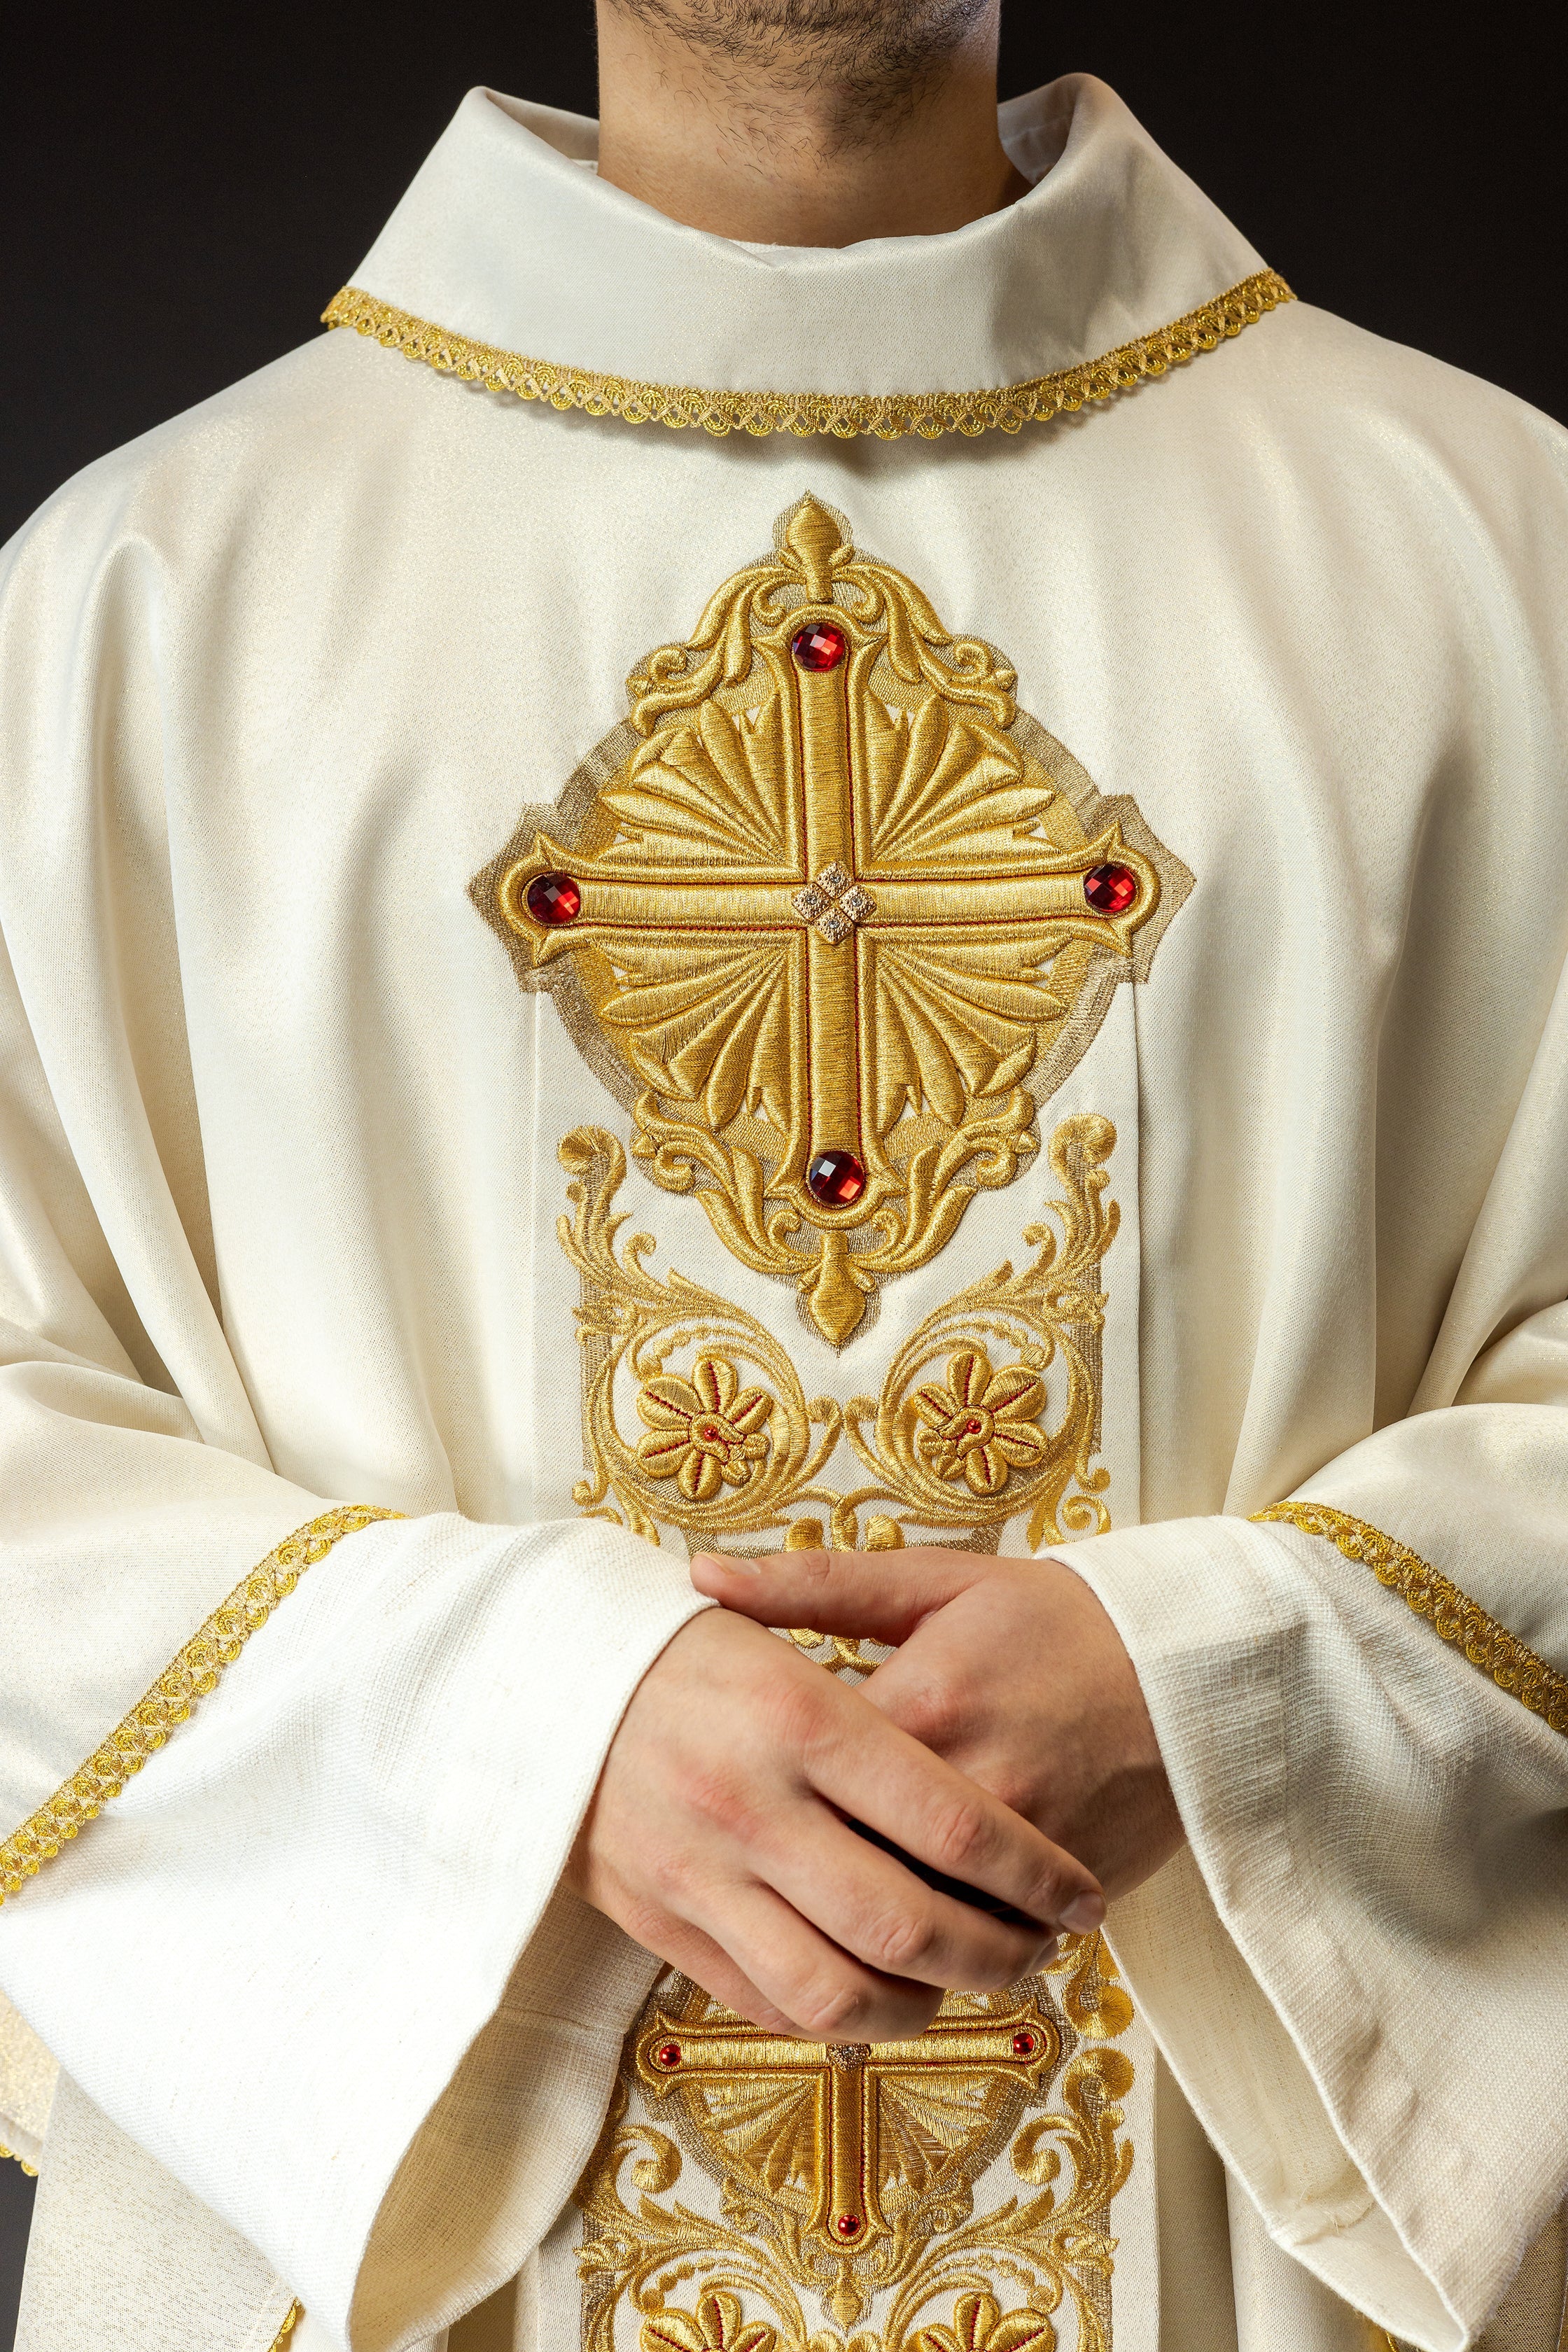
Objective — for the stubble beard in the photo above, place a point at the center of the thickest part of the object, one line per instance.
(872, 60)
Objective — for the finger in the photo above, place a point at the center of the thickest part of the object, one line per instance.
(868, 1903)
(863, 1764)
(880, 1595)
(704, 1959)
(827, 1994)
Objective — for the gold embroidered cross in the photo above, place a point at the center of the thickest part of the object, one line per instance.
(845, 2083)
(829, 912)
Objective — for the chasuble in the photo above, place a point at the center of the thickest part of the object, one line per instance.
(676, 896)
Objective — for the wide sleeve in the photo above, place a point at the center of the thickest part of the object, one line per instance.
(288, 1777)
(1359, 1970)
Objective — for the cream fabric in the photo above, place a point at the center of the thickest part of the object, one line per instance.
(155, 2267)
(503, 239)
(282, 1188)
(27, 2078)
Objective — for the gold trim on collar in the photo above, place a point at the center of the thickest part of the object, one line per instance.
(1455, 1618)
(172, 1700)
(888, 416)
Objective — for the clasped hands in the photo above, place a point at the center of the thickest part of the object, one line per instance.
(1007, 1744)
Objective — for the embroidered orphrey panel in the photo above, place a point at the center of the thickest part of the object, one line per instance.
(832, 919)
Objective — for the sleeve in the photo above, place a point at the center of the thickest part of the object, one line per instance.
(1357, 1969)
(368, 1739)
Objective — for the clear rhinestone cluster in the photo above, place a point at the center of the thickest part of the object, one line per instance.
(833, 903)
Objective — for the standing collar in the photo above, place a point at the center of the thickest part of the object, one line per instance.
(509, 260)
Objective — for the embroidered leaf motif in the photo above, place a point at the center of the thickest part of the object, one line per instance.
(953, 1019)
(708, 1023)
(941, 783)
(718, 789)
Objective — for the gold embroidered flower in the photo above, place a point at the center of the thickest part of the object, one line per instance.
(716, 2326)
(707, 1431)
(978, 2325)
(981, 1427)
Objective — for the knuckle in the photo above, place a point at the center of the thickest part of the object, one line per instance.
(797, 1712)
(933, 1714)
(814, 1569)
(831, 2011)
(715, 1793)
(900, 1942)
(961, 1835)
(1050, 1892)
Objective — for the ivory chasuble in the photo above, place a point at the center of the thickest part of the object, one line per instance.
(681, 895)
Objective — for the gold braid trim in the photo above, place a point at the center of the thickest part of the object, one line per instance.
(1455, 1618)
(886, 414)
(296, 2310)
(173, 1697)
(9, 2155)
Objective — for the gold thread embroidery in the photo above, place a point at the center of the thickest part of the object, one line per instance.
(705, 1432)
(1454, 1617)
(297, 2311)
(196, 1672)
(9, 2155)
(996, 902)
(848, 2177)
(727, 1457)
(888, 415)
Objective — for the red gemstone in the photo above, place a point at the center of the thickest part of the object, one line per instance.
(847, 2225)
(819, 646)
(972, 1428)
(835, 1179)
(709, 1431)
(667, 2054)
(1111, 889)
(555, 899)
(1023, 2045)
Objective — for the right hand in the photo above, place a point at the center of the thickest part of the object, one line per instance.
(717, 1839)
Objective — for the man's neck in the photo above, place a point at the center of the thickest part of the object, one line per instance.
(765, 149)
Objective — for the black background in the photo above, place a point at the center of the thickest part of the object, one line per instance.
(182, 189)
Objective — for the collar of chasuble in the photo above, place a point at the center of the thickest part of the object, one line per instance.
(509, 261)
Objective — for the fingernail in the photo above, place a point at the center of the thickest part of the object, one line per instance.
(730, 1567)
(1084, 1913)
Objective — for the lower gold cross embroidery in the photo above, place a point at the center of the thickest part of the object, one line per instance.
(846, 2079)
(954, 2193)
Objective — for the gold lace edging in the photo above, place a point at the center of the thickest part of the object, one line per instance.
(196, 1672)
(297, 2311)
(888, 415)
(9, 2156)
(1454, 1617)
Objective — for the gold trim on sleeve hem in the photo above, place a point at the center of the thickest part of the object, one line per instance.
(196, 1672)
(888, 415)
(9, 2156)
(1454, 1617)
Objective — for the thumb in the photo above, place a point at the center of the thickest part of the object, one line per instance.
(883, 1596)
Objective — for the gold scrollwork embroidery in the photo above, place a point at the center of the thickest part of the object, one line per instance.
(727, 1453)
(847, 2178)
(831, 922)
(886, 414)
(1453, 1615)
(172, 1700)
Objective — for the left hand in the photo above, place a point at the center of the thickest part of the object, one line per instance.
(1010, 1669)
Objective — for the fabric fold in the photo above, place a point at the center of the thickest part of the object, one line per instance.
(1315, 1965)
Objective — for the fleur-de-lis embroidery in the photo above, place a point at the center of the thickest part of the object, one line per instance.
(704, 1433)
(984, 1424)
